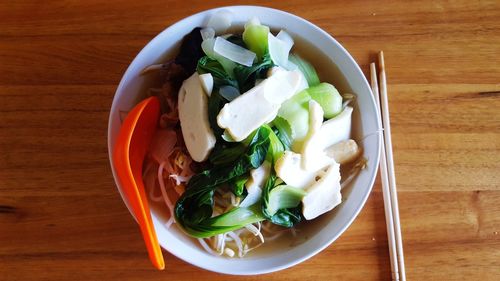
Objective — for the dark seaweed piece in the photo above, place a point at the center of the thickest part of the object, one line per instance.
(190, 51)
(238, 40)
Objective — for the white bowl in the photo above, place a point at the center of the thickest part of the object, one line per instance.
(341, 70)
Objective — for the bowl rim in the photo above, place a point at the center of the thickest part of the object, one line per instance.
(358, 71)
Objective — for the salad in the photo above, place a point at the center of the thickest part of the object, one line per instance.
(250, 142)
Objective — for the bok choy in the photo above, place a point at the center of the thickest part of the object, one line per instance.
(276, 126)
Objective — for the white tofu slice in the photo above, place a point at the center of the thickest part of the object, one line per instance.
(324, 194)
(336, 129)
(302, 80)
(288, 168)
(193, 116)
(207, 82)
(313, 156)
(287, 84)
(260, 104)
(255, 184)
(344, 152)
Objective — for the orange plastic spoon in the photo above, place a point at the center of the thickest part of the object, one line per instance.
(133, 140)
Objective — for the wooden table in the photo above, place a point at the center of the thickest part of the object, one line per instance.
(61, 217)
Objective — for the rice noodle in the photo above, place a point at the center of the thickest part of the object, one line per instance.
(169, 222)
(221, 243)
(152, 196)
(153, 67)
(255, 231)
(206, 247)
(164, 193)
(247, 249)
(179, 179)
(162, 145)
(238, 242)
(150, 179)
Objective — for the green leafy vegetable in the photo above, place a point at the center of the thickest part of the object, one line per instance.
(212, 66)
(225, 153)
(283, 206)
(284, 131)
(287, 217)
(307, 69)
(232, 220)
(246, 76)
(208, 48)
(328, 97)
(276, 148)
(238, 185)
(215, 103)
(193, 210)
(229, 93)
(296, 112)
(255, 37)
(284, 197)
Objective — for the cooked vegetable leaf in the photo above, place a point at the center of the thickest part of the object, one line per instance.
(238, 185)
(284, 197)
(255, 38)
(276, 148)
(234, 219)
(225, 153)
(208, 46)
(246, 76)
(283, 206)
(193, 210)
(287, 217)
(215, 103)
(229, 93)
(221, 77)
(296, 112)
(328, 97)
(284, 132)
(307, 69)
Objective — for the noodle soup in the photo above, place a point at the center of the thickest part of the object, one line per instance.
(306, 238)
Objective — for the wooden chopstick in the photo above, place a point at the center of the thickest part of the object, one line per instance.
(387, 174)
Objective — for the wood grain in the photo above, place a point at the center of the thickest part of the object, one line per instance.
(60, 62)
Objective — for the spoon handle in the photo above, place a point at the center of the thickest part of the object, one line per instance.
(129, 152)
(138, 200)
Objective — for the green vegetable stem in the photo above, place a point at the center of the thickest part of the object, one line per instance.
(193, 210)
